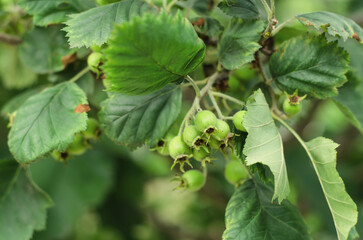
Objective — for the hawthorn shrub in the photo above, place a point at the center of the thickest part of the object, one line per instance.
(202, 83)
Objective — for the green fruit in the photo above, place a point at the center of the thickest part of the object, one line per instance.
(193, 180)
(235, 172)
(96, 48)
(60, 156)
(200, 154)
(163, 148)
(178, 148)
(222, 130)
(206, 121)
(78, 146)
(93, 129)
(214, 143)
(192, 137)
(94, 60)
(291, 109)
(238, 119)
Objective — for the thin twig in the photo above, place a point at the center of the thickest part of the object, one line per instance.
(194, 85)
(213, 100)
(227, 97)
(282, 25)
(79, 75)
(10, 39)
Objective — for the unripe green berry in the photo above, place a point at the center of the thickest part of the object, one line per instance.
(291, 109)
(93, 129)
(193, 180)
(178, 148)
(200, 154)
(94, 60)
(222, 130)
(215, 144)
(192, 136)
(206, 121)
(78, 146)
(238, 119)
(235, 172)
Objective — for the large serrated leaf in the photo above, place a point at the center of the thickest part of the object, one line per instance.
(264, 143)
(147, 53)
(239, 43)
(136, 120)
(245, 9)
(250, 214)
(311, 65)
(322, 153)
(95, 25)
(332, 23)
(47, 121)
(42, 50)
(22, 204)
(46, 12)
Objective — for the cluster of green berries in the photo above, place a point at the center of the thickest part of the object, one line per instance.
(81, 141)
(197, 141)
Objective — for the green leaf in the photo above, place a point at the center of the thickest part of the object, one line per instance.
(264, 143)
(43, 48)
(14, 74)
(211, 26)
(322, 153)
(13, 104)
(147, 53)
(239, 43)
(134, 120)
(22, 204)
(75, 188)
(46, 12)
(245, 9)
(311, 65)
(47, 121)
(95, 25)
(350, 101)
(333, 24)
(250, 214)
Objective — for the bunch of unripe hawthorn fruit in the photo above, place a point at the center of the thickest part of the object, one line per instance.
(198, 141)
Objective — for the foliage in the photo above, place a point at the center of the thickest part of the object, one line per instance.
(201, 83)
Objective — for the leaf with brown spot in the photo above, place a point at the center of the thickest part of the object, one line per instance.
(333, 24)
(82, 108)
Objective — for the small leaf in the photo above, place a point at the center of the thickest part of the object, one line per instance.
(311, 65)
(43, 49)
(322, 153)
(239, 43)
(264, 143)
(95, 25)
(208, 26)
(350, 101)
(250, 214)
(147, 53)
(46, 12)
(333, 24)
(46, 122)
(245, 9)
(22, 204)
(134, 120)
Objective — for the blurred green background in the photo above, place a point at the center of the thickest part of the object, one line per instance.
(110, 193)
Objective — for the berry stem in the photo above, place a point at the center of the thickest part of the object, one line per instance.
(215, 104)
(79, 75)
(194, 85)
(282, 25)
(196, 104)
(227, 97)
